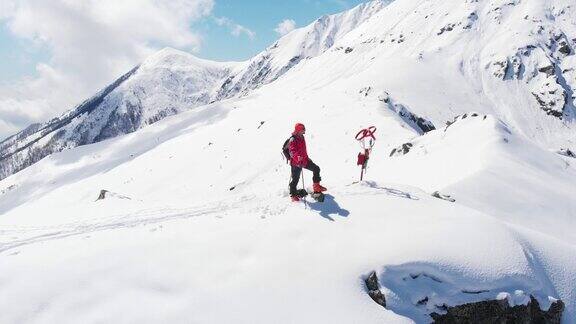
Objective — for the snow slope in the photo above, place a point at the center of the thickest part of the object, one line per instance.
(186, 241)
(199, 228)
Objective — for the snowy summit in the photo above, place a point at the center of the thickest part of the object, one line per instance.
(164, 197)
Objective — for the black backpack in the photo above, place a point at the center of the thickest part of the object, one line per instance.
(286, 149)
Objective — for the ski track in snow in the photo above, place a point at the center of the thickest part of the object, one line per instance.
(136, 219)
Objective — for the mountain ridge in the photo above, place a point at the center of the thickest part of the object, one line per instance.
(182, 82)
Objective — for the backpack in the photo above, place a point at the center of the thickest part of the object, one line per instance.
(286, 149)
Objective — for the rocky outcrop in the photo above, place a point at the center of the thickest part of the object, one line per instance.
(546, 71)
(464, 116)
(419, 124)
(567, 152)
(401, 150)
(431, 297)
(108, 194)
(437, 194)
(499, 311)
(373, 288)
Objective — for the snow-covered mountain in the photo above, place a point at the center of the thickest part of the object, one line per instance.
(468, 198)
(170, 82)
(301, 44)
(167, 83)
(513, 59)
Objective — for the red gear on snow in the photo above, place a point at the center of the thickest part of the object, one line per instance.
(298, 153)
(295, 198)
(318, 188)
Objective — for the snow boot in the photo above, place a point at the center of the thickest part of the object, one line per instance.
(318, 188)
(295, 198)
(301, 193)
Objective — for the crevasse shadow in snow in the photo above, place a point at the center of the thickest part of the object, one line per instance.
(328, 208)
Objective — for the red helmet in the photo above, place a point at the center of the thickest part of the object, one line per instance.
(299, 127)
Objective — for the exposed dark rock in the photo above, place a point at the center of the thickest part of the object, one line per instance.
(402, 150)
(474, 292)
(549, 107)
(482, 312)
(384, 98)
(417, 123)
(348, 50)
(424, 125)
(499, 311)
(105, 194)
(373, 287)
(567, 152)
(446, 28)
(472, 17)
(460, 117)
(365, 91)
(423, 301)
(501, 68)
(565, 48)
(438, 195)
(9, 188)
(549, 70)
(102, 194)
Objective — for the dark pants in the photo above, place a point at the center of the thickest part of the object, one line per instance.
(296, 171)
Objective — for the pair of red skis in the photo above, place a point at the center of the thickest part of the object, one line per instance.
(366, 139)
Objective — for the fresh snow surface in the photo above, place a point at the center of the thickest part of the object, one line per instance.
(198, 225)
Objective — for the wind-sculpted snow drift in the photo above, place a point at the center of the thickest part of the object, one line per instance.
(195, 224)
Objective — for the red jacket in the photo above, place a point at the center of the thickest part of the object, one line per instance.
(297, 148)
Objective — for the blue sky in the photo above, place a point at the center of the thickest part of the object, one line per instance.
(54, 54)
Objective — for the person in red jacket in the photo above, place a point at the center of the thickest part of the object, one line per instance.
(299, 159)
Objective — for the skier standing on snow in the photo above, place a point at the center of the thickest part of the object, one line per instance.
(299, 159)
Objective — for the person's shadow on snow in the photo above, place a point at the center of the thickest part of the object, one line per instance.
(328, 208)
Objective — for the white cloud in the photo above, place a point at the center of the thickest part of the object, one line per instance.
(91, 43)
(235, 29)
(286, 26)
